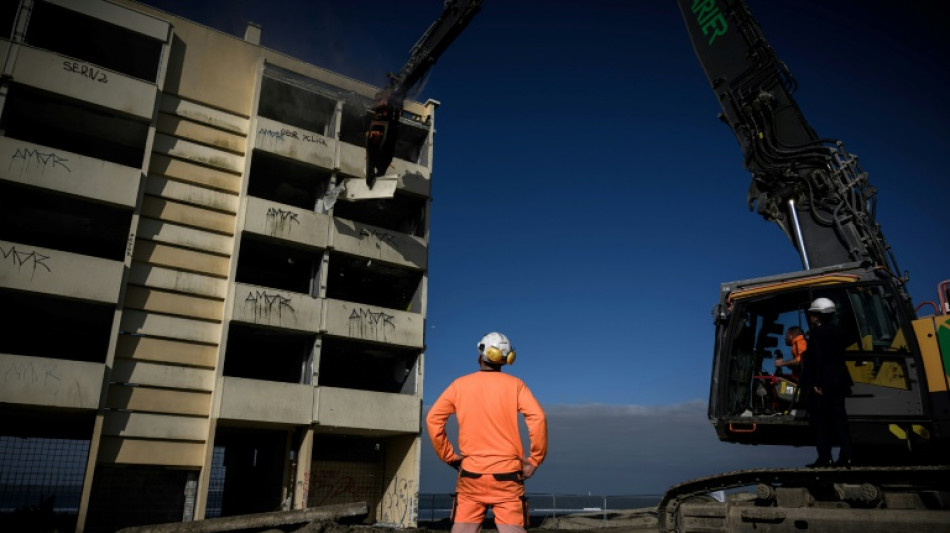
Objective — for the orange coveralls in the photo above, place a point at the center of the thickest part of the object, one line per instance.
(799, 344)
(487, 405)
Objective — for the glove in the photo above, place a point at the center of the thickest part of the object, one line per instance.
(456, 464)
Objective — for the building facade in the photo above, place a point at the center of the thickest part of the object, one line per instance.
(202, 318)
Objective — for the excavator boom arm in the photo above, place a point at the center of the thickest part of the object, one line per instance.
(383, 129)
(810, 186)
(454, 19)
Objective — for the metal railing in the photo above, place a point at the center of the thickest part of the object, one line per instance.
(435, 507)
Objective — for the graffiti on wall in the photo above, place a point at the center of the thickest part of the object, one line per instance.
(401, 503)
(330, 487)
(264, 306)
(333, 482)
(86, 71)
(280, 221)
(28, 157)
(367, 324)
(273, 134)
(303, 491)
(31, 373)
(285, 134)
(34, 259)
(379, 236)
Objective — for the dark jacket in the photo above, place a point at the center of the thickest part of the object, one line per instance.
(824, 365)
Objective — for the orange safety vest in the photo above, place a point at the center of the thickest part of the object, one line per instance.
(799, 345)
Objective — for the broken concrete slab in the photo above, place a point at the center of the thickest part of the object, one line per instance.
(358, 189)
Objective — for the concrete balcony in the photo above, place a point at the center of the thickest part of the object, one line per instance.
(374, 324)
(284, 222)
(50, 382)
(58, 170)
(372, 412)
(276, 308)
(47, 271)
(379, 244)
(268, 401)
(84, 81)
(295, 143)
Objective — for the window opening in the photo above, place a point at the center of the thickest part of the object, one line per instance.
(296, 106)
(59, 328)
(362, 280)
(275, 264)
(285, 181)
(74, 224)
(351, 364)
(57, 122)
(268, 354)
(93, 40)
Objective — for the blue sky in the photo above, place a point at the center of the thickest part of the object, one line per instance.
(588, 203)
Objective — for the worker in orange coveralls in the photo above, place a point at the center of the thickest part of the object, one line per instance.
(795, 338)
(490, 460)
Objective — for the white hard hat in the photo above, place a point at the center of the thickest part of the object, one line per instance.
(822, 305)
(496, 349)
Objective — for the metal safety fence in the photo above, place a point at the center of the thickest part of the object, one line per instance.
(40, 481)
(435, 507)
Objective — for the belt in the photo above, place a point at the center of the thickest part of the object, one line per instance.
(506, 476)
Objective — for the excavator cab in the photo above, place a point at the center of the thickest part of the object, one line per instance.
(750, 403)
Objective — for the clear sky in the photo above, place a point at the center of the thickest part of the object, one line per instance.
(588, 203)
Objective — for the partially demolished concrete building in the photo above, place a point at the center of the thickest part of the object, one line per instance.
(199, 319)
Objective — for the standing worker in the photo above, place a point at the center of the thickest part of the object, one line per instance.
(490, 459)
(827, 381)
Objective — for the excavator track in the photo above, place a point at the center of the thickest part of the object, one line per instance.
(865, 499)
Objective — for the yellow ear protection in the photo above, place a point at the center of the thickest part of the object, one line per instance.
(496, 356)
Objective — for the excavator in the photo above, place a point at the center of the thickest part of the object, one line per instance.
(818, 194)
(899, 361)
